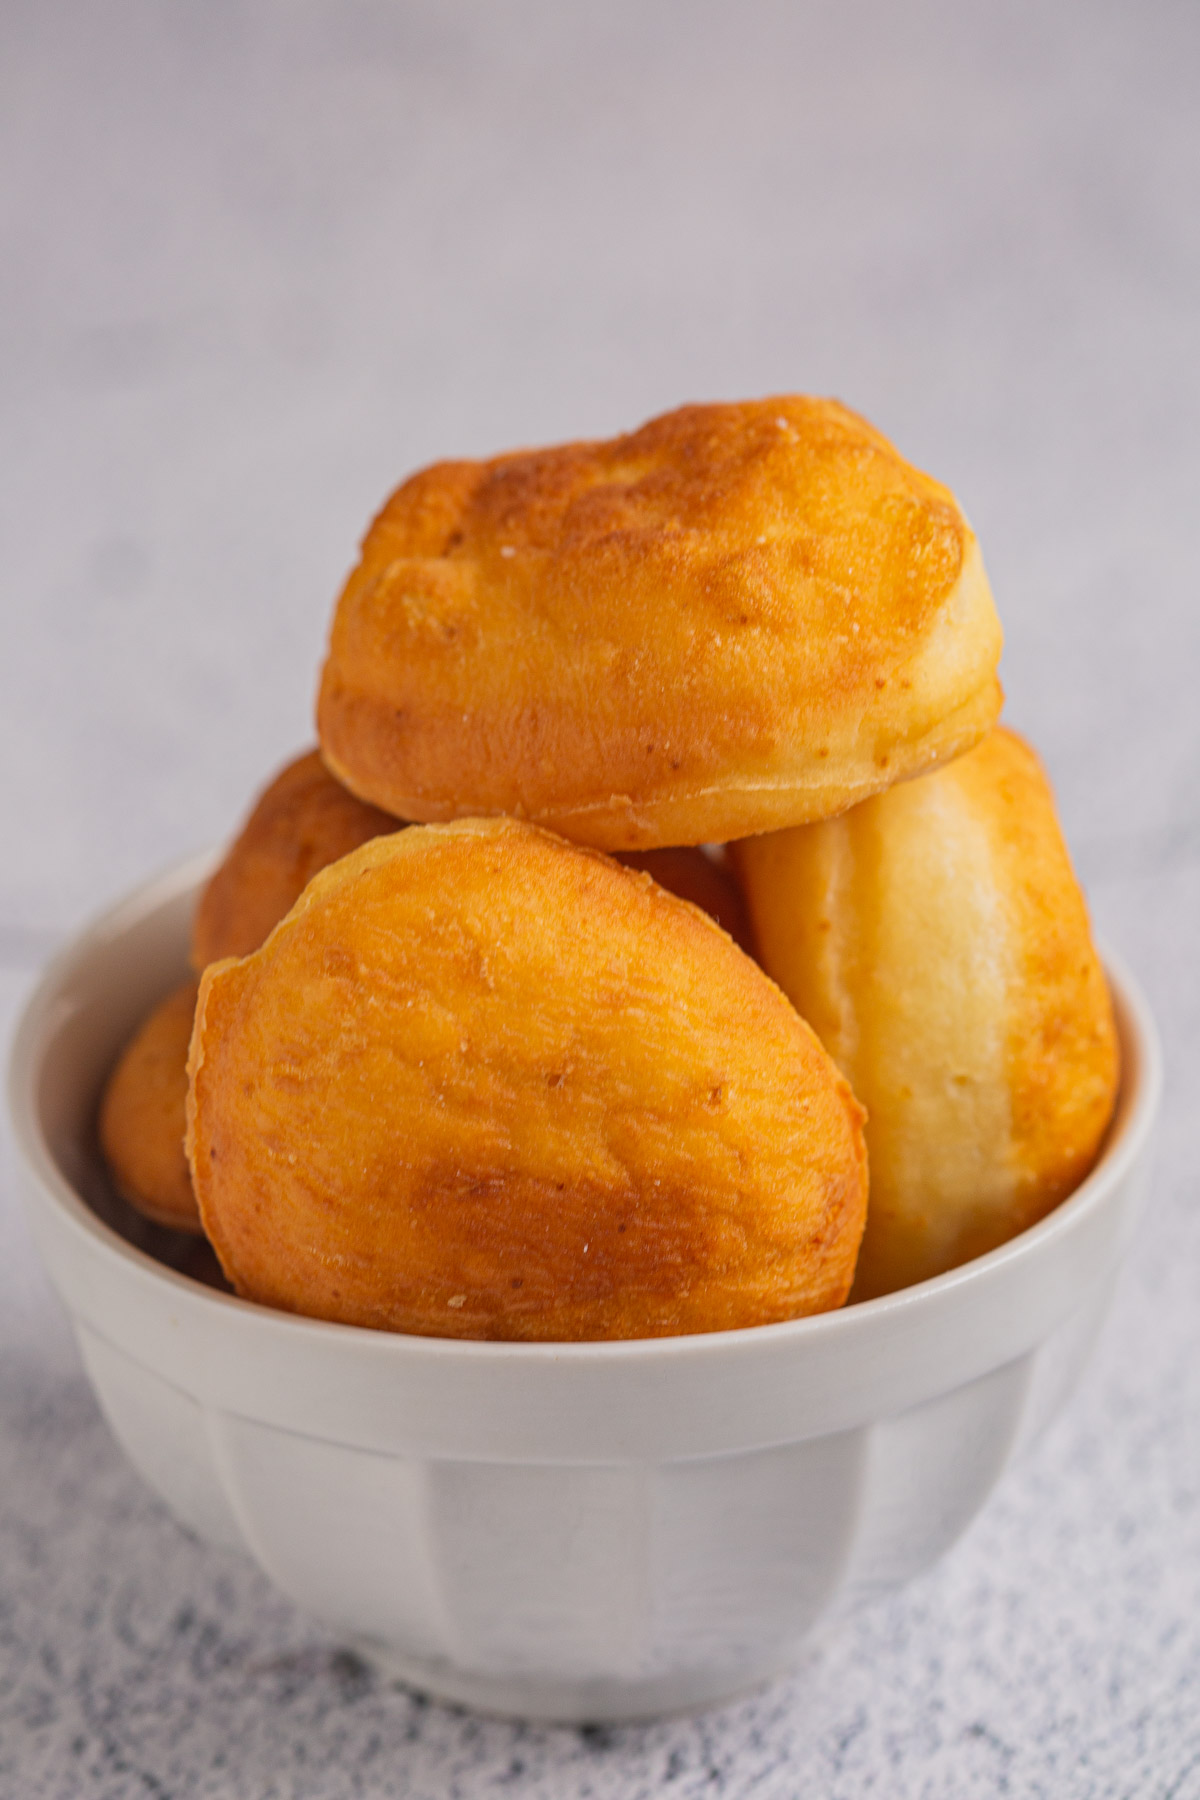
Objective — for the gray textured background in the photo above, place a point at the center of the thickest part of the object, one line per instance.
(257, 262)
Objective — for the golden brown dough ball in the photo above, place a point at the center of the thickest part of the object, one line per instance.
(142, 1115)
(303, 820)
(739, 617)
(937, 940)
(480, 1083)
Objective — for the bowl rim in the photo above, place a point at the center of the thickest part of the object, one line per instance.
(1138, 1101)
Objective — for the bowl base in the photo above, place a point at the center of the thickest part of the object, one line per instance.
(539, 1702)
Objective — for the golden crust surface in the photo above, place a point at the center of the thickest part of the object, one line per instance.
(303, 820)
(737, 618)
(937, 940)
(142, 1115)
(480, 1083)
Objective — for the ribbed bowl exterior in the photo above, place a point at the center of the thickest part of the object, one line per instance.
(582, 1532)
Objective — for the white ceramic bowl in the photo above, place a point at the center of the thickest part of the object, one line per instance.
(573, 1531)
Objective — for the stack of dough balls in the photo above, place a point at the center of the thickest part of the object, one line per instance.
(660, 824)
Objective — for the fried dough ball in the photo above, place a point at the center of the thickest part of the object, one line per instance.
(938, 942)
(481, 1083)
(142, 1115)
(303, 820)
(738, 618)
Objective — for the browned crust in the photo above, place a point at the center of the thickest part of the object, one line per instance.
(482, 1084)
(303, 820)
(737, 618)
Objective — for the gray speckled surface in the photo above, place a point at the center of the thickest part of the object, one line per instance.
(257, 262)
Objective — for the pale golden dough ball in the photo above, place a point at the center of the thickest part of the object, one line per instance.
(938, 942)
(142, 1115)
(301, 821)
(480, 1083)
(737, 618)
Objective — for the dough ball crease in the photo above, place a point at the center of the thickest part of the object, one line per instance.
(938, 941)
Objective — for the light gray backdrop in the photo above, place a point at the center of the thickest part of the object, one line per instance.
(259, 261)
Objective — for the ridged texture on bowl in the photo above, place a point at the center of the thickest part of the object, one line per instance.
(589, 1591)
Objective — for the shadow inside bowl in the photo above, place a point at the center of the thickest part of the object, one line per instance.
(183, 1251)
